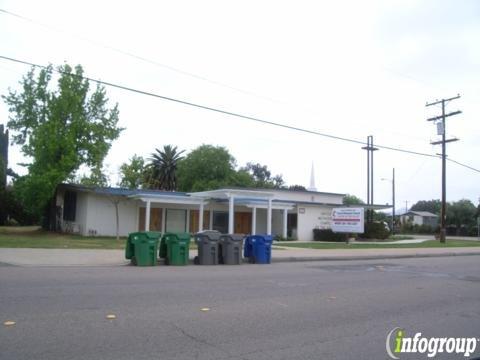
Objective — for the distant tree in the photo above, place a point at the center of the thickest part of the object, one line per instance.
(462, 212)
(297, 188)
(132, 174)
(59, 130)
(241, 178)
(263, 177)
(162, 168)
(97, 178)
(207, 167)
(352, 200)
(433, 206)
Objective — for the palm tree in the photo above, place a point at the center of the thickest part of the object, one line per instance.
(163, 167)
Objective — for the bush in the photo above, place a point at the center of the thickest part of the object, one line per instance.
(418, 229)
(375, 230)
(329, 235)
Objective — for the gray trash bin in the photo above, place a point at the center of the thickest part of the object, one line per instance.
(207, 243)
(231, 246)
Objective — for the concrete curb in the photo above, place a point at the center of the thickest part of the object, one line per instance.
(368, 257)
(281, 259)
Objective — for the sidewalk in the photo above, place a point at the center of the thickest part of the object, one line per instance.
(83, 257)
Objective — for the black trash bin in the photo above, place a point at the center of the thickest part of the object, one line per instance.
(231, 249)
(207, 243)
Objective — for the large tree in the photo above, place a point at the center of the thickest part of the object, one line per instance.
(59, 129)
(262, 177)
(162, 169)
(210, 167)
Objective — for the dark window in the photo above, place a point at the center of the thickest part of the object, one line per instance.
(69, 206)
(220, 221)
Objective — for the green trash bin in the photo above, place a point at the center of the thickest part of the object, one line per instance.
(142, 248)
(177, 247)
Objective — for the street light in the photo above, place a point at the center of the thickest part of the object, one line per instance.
(393, 199)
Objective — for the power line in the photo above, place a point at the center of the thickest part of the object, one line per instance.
(226, 112)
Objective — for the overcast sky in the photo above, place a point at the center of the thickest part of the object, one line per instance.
(346, 68)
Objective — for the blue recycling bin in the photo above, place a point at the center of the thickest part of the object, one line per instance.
(248, 247)
(260, 250)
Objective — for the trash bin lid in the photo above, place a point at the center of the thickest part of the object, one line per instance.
(176, 237)
(210, 234)
(232, 237)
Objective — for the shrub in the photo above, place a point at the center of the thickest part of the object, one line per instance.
(375, 230)
(329, 235)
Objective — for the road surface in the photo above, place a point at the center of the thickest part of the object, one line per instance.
(306, 310)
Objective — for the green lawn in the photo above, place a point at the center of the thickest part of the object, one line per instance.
(426, 244)
(32, 237)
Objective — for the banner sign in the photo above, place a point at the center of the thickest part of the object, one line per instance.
(348, 220)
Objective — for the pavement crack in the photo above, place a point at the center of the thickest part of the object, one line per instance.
(199, 340)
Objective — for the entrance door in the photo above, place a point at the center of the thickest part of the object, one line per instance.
(243, 223)
(155, 219)
(194, 220)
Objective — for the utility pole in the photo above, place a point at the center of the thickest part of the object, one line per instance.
(393, 201)
(370, 149)
(441, 130)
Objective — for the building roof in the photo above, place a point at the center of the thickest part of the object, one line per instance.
(422, 213)
(246, 195)
(122, 191)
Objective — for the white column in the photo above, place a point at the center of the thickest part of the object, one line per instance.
(269, 217)
(147, 216)
(164, 219)
(254, 221)
(231, 214)
(187, 225)
(285, 220)
(210, 223)
(200, 218)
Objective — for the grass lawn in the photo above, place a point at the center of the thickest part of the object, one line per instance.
(425, 244)
(32, 237)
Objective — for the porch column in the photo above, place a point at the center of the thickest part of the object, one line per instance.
(164, 219)
(254, 221)
(200, 218)
(147, 216)
(285, 220)
(269, 217)
(210, 225)
(231, 214)
(187, 225)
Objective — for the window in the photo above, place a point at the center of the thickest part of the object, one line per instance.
(69, 205)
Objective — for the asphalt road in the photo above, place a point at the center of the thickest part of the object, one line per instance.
(312, 310)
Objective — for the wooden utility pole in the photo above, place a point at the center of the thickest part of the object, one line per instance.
(370, 149)
(441, 130)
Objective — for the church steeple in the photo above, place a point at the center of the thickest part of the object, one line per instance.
(312, 186)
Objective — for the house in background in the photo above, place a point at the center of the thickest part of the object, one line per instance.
(419, 218)
(288, 213)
